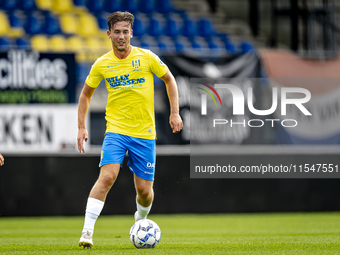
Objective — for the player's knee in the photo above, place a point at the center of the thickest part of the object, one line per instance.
(144, 192)
(108, 179)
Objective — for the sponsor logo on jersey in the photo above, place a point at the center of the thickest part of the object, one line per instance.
(136, 63)
(113, 70)
(113, 65)
(150, 165)
(123, 80)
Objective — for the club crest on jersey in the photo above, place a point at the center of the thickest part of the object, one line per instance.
(136, 63)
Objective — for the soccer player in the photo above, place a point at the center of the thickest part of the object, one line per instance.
(128, 73)
(2, 160)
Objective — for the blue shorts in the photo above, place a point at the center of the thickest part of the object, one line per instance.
(142, 154)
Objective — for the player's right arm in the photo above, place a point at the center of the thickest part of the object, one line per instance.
(83, 107)
(2, 160)
(91, 83)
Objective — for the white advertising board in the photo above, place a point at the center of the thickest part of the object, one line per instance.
(38, 128)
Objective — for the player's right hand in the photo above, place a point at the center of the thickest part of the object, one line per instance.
(82, 135)
(176, 123)
(2, 160)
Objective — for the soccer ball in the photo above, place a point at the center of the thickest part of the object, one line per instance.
(145, 234)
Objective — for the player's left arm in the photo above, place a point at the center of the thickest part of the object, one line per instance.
(175, 119)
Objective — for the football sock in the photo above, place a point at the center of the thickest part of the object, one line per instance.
(142, 211)
(93, 210)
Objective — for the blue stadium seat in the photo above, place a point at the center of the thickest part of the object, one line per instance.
(215, 43)
(179, 47)
(224, 37)
(147, 41)
(130, 6)
(165, 44)
(23, 43)
(51, 26)
(231, 48)
(164, 6)
(9, 5)
(173, 27)
(113, 6)
(135, 41)
(198, 43)
(145, 45)
(189, 28)
(205, 28)
(17, 19)
(182, 44)
(82, 70)
(246, 46)
(155, 27)
(35, 23)
(5, 44)
(27, 5)
(95, 5)
(139, 28)
(79, 2)
(101, 18)
(147, 6)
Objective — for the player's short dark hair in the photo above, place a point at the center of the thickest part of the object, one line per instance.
(119, 16)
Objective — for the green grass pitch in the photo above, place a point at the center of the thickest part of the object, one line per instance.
(269, 233)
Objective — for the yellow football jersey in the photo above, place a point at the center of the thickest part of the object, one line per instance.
(129, 81)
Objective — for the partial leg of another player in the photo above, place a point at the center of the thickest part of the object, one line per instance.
(144, 198)
(2, 160)
(95, 203)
